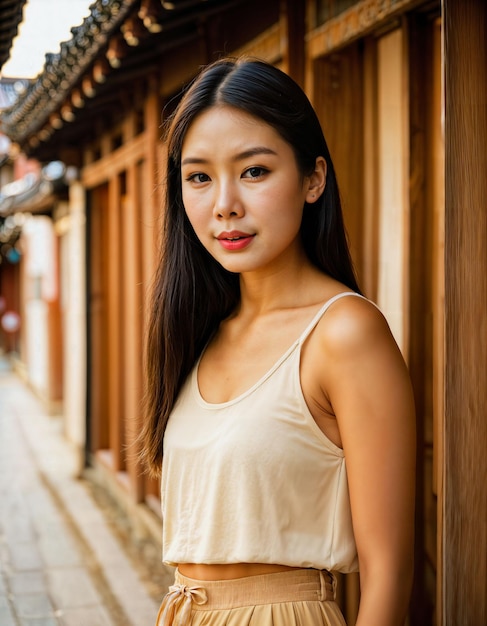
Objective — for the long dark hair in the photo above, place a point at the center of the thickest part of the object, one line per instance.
(192, 292)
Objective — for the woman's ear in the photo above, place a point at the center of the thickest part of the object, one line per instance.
(317, 181)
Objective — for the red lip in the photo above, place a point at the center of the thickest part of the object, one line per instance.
(234, 239)
(233, 234)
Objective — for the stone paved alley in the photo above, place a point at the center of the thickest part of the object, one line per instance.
(61, 562)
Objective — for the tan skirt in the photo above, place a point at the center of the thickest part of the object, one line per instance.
(304, 597)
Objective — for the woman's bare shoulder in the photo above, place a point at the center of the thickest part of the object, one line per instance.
(353, 327)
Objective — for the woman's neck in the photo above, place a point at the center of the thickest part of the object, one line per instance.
(268, 289)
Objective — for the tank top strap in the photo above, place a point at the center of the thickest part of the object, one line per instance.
(322, 311)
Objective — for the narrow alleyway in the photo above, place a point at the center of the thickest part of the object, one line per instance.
(61, 563)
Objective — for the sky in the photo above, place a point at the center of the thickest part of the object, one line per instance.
(44, 25)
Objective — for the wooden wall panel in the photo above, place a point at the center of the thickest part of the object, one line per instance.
(268, 46)
(465, 463)
(337, 98)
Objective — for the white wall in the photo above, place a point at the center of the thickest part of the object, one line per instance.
(40, 286)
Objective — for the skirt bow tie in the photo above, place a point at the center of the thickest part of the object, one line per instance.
(176, 607)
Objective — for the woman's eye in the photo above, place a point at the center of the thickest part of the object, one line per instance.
(198, 177)
(254, 172)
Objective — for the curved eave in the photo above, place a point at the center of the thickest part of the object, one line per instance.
(116, 45)
(63, 70)
(10, 18)
(33, 194)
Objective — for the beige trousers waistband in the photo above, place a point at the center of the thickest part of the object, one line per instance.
(188, 595)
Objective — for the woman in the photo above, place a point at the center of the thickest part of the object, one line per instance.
(267, 370)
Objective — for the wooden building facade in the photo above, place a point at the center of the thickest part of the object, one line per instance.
(406, 126)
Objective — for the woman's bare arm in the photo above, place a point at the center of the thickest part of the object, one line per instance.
(367, 384)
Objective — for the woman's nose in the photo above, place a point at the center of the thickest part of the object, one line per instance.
(228, 202)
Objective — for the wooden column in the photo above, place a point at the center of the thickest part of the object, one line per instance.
(419, 283)
(436, 172)
(465, 455)
(294, 14)
(54, 330)
(115, 321)
(98, 371)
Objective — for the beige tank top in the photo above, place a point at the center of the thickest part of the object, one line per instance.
(254, 480)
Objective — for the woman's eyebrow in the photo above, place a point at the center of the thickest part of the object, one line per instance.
(238, 157)
(192, 161)
(253, 152)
